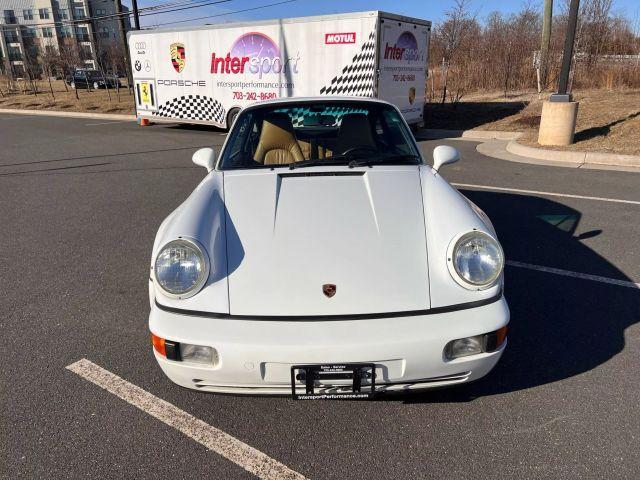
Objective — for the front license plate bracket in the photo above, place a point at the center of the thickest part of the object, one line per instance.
(356, 372)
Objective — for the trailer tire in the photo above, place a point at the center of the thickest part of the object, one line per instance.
(231, 117)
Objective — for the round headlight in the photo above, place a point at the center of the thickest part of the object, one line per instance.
(476, 261)
(181, 268)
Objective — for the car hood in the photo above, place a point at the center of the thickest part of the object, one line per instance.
(289, 233)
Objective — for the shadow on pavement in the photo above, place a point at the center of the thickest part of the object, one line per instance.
(467, 115)
(195, 126)
(560, 326)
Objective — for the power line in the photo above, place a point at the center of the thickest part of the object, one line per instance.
(227, 13)
(35, 11)
(113, 17)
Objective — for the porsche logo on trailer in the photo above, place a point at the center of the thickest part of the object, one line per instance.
(329, 289)
(178, 56)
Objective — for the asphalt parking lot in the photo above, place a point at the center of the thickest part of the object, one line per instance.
(80, 202)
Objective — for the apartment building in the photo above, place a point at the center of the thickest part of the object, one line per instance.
(28, 27)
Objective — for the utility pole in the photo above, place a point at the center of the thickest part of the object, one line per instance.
(559, 114)
(125, 47)
(136, 17)
(567, 56)
(547, 18)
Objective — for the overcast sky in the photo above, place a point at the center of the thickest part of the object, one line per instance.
(430, 10)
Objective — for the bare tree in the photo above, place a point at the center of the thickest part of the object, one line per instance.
(32, 67)
(101, 62)
(114, 58)
(49, 60)
(452, 34)
(498, 54)
(69, 61)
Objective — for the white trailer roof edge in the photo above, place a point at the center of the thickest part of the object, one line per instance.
(317, 18)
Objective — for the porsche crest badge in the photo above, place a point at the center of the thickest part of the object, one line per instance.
(178, 56)
(329, 290)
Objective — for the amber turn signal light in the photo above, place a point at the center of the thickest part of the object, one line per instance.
(158, 345)
(494, 340)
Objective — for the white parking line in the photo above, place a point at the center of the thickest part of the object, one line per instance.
(247, 457)
(569, 273)
(548, 194)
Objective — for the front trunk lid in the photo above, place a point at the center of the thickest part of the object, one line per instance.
(293, 235)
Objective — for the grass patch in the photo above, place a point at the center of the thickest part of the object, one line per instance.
(94, 101)
(608, 121)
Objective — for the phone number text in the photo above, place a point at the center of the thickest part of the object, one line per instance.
(254, 95)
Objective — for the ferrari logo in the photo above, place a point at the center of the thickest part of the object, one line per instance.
(144, 93)
(329, 289)
(177, 56)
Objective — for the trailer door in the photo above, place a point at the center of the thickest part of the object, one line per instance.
(403, 66)
(143, 73)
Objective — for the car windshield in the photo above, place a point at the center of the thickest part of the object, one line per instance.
(319, 133)
(91, 73)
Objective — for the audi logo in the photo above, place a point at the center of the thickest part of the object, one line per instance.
(140, 45)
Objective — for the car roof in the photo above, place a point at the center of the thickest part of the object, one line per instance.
(325, 98)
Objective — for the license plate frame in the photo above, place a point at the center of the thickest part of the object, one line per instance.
(356, 372)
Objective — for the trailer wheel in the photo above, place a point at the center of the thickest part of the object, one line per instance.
(231, 117)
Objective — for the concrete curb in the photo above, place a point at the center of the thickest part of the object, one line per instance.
(588, 158)
(561, 156)
(55, 113)
(542, 154)
(470, 134)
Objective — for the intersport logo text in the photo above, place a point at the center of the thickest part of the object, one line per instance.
(339, 38)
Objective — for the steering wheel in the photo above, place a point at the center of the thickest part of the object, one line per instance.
(360, 148)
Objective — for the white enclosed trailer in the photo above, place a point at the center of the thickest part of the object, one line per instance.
(206, 74)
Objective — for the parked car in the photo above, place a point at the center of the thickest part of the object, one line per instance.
(93, 78)
(322, 256)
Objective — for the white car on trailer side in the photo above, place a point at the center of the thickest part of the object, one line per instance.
(322, 256)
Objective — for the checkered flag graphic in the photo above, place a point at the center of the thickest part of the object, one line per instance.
(193, 107)
(357, 77)
(298, 114)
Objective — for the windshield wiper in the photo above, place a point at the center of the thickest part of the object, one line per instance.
(318, 162)
(398, 159)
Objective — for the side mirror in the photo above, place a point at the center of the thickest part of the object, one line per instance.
(205, 157)
(443, 155)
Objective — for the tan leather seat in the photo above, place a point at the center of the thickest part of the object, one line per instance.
(355, 131)
(277, 144)
(307, 150)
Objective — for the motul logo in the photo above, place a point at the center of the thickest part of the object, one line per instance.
(339, 38)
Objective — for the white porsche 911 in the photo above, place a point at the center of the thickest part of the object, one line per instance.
(322, 257)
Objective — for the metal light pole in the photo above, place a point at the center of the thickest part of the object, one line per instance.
(547, 18)
(567, 56)
(136, 17)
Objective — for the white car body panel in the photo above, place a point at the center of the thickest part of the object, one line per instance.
(200, 217)
(363, 232)
(448, 214)
(256, 355)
